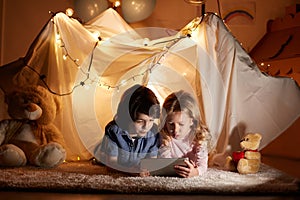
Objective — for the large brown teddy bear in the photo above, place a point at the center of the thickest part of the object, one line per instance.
(246, 161)
(30, 137)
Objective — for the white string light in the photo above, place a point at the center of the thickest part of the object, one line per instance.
(98, 80)
(150, 69)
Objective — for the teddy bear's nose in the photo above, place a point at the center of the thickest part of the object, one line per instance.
(33, 111)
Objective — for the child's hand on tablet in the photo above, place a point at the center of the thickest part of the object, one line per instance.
(188, 170)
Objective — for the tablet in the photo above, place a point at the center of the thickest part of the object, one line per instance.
(161, 166)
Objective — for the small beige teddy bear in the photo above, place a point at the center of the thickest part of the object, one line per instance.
(246, 161)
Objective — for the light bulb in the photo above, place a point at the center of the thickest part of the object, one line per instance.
(96, 35)
(146, 41)
(69, 12)
(58, 40)
(117, 4)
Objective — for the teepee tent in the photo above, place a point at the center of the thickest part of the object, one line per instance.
(203, 58)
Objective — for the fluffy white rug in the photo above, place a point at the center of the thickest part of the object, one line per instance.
(86, 177)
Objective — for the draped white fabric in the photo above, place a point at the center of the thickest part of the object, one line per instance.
(233, 95)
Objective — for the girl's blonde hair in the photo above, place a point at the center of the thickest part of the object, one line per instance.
(182, 101)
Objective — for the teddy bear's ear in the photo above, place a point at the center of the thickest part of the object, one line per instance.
(258, 136)
(26, 77)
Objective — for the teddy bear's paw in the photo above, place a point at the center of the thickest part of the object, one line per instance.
(248, 166)
(50, 155)
(12, 156)
(229, 164)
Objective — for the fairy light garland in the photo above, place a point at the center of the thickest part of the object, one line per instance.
(66, 55)
(98, 80)
(148, 70)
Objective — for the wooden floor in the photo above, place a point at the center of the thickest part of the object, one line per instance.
(291, 167)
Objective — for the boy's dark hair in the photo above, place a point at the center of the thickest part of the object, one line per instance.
(137, 99)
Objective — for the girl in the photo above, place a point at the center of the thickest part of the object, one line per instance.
(183, 134)
(131, 135)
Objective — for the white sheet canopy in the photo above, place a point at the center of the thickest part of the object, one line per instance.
(203, 58)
